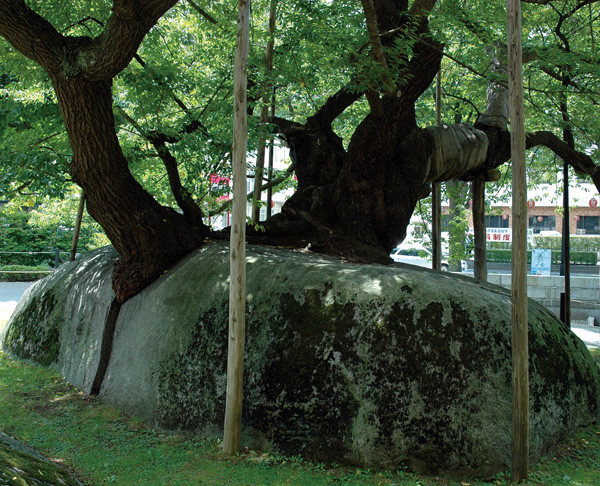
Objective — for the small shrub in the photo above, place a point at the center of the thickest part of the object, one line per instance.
(577, 243)
(577, 257)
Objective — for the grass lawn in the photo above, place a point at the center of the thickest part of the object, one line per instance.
(102, 446)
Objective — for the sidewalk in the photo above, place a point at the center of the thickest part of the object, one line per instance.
(10, 293)
(590, 335)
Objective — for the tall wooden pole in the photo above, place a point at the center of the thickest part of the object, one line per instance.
(565, 264)
(479, 233)
(271, 159)
(237, 289)
(436, 192)
(520, 353)
(78, 221)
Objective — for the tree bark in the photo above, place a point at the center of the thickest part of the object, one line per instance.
(149, 237)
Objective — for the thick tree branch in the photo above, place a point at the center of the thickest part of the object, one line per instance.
(31, 35)
(581, 162)
(96, 59)
(202, 12)
(283, 126)
(110, 52)
(373, 31)
(421, 7)
(336, 105)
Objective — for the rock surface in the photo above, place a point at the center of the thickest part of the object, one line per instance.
(21, 465)
(362, 364)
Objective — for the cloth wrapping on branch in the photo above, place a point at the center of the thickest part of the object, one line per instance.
(457, 149)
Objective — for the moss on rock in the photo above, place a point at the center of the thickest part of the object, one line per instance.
(34, 332)
(20, 465)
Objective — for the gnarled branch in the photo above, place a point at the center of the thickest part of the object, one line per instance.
(581, 162)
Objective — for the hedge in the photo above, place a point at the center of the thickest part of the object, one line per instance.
(577, 257)
(7, 275)
(577, 243)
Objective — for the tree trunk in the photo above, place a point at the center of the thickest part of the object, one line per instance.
(149, 237)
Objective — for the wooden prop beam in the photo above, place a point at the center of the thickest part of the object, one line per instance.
(237, 289)
(520, 353)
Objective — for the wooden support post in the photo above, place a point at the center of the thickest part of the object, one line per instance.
(436, 191)
(271, 158)
(565, 264)
(479, 233)
(520, 353)
(436, 226)
(237, 289)
(78, 221)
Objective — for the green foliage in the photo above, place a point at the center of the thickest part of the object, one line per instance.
(577, 243)
(186, 76)
(457, 193)
(577, 257)
(23, 273)
(35, 234)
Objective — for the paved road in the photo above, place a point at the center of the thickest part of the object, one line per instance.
(590, 335)
(11, 292)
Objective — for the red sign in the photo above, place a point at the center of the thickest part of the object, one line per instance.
(593, 202)
(505, 217)
(218, 183)
(576, 218)
(496, 234)
(530, 203)
(540, 218)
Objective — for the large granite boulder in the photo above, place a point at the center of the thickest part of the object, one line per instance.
(20, 464)
(362, 364)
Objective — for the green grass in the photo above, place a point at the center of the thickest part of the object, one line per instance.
(103, 446)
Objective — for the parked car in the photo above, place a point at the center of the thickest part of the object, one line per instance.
(421, 257)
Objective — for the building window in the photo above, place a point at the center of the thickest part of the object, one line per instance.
(588, 225)
(542, 223)
(496, 222)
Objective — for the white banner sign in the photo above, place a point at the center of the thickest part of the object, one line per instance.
(496, 234)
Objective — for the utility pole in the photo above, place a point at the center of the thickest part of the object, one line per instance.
(520, 353)
(237, 288)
